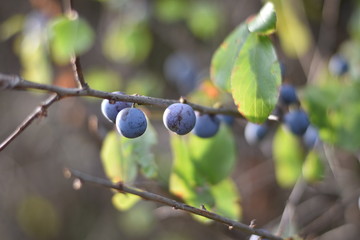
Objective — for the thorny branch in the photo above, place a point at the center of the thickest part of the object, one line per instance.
(16, 82)
(38, 112)
(85, 178)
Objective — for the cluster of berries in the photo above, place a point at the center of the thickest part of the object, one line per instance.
(295, 119)
(179, 118)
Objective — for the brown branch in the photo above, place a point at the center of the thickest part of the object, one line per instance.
(16, 82)
(170, 202)
(75, 62)
(38, 112)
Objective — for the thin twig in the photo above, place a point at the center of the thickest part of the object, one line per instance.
(76, 65)
(170, 202)
(293, 200)
(9, 81)
(38, 112)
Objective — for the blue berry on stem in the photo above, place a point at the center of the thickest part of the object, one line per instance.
(229, 120)
(311, 136)
(179, 118)
(255, 132)
(111, 110)
(338, 65)
(288, 94)
(206, 125)
(297, 121)
(131, 122)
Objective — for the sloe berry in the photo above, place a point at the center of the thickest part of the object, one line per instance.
(206, 125)
(131, 122)
(338, 65)
(111, 110)
(179, 118)
(288, 94)
(297, 121)
(255, 132)
(311, 136)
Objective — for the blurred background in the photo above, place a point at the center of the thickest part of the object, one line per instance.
(163, 48)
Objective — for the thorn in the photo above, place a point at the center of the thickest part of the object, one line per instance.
(182, 99)
(252, 223)
(203, 207)
(67, 173)
(77, 184)
(120, 186)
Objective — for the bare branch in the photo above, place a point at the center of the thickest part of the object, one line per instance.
(170, 202)
(38, 112)
(21, 84)
(75, 62)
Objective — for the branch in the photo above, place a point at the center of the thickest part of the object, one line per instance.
(40, 111)
(16, 82)
(169, 202)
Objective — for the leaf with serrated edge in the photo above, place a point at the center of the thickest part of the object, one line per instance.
(256, 78)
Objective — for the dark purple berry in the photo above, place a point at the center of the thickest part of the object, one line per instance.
(131, 122)
(111, 110)
(206, 125)
(338, 65)
(255, 132)
(179, 118)
(297, 122)
(288, 94)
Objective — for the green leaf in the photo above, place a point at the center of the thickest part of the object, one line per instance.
(335, 109)
(313, 168)
(127, 42)
(103, 79)
(183, 178)
(69, 37)
(255, 78)
(265, 20)
(288, 156)
(116, 159)
(225, 56)
(121, 156)
(227, 199)
(214, 158)
(195, 186)
(123, 202)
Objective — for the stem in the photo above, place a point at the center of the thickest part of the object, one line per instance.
(11, 82)
(170, 202)
(38, 112)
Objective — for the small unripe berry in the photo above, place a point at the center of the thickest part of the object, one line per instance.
(131, 122)
(179, 118)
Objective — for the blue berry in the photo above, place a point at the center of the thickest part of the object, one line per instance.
(131, 122)
(288, 94)
(111, 110)
(206, 125)
(179, 118)
(338, 65)
(180, 69)
(229, 120)
(311, 137)
(297, 121)
(255, 132)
